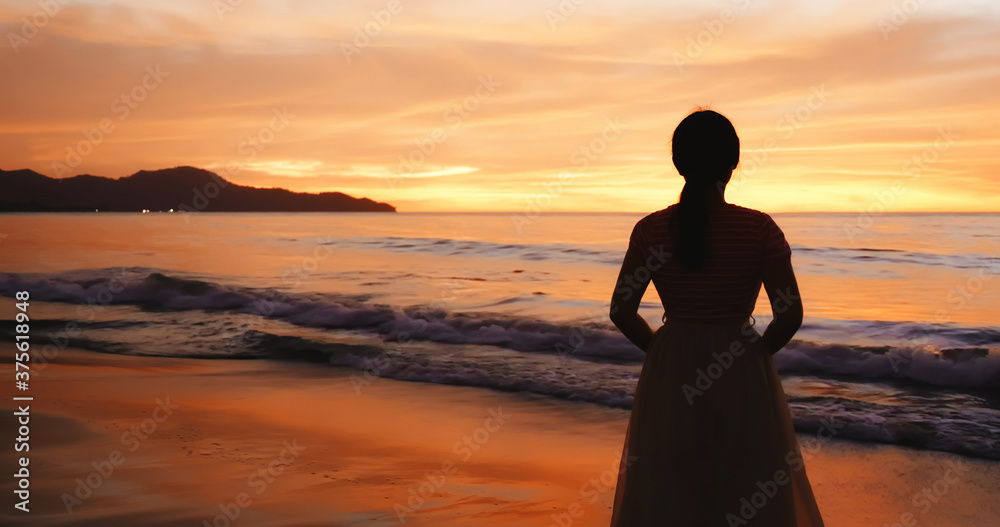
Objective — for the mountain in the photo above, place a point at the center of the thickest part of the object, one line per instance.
(181, 188)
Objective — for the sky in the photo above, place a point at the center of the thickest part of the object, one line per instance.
(529, 106)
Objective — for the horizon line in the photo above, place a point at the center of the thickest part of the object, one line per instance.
(488, 212)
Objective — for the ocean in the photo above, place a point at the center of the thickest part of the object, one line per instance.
(900, 344)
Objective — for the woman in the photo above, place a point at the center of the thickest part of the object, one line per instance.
(710, 440)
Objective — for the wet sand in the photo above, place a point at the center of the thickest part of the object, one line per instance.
(127, 441)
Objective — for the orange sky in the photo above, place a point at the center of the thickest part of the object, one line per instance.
(515, 105)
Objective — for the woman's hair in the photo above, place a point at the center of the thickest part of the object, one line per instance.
(706, 150)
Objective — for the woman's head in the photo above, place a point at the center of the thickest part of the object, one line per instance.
(705, 147)
(706, 150)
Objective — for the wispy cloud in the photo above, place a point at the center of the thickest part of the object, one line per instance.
(940, 67)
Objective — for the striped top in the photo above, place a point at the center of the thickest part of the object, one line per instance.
(741, 242)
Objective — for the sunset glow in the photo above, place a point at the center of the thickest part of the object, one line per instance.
(507, 106)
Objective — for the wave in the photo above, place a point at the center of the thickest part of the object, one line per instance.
(897, 256)
(968, 365)
(451, 247)
(611, 256)
(969, 431)
(963, 430)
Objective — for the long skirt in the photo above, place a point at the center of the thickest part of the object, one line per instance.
(710, 441)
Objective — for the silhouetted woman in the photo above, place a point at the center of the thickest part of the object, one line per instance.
(710, 440)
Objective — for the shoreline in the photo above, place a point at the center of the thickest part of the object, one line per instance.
(279, 443)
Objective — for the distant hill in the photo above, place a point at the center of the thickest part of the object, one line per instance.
(182, 189)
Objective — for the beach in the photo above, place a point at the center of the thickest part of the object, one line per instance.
(466, 299)
(387, 263)
(122, 440)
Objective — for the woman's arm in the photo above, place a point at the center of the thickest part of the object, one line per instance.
(783, 293)
(632, 282)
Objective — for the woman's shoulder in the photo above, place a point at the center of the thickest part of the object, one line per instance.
(730, 208)
(749, 215)
(730, 211)
(770, 235)
(652, 224)
(739, 209)
(660, 215)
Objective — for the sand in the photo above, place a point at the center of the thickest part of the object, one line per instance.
(128, 441)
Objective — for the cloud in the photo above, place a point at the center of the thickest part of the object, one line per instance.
(646, 64)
